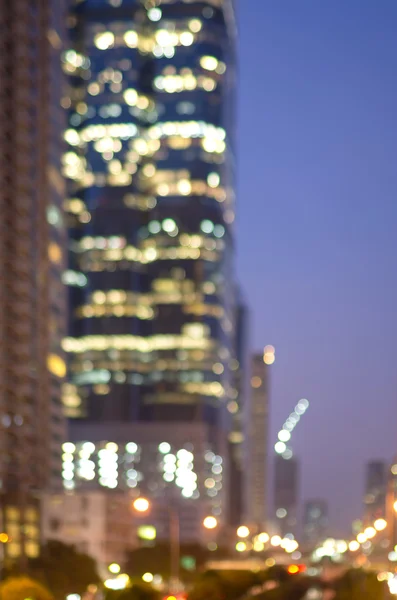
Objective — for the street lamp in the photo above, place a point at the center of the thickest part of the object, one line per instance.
(141, 505)
(210, 523)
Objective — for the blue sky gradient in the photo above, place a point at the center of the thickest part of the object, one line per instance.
(317, 227)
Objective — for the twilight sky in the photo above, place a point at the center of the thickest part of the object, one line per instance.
(317, 227)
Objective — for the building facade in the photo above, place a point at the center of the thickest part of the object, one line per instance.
(151, 210)
(97, 523)
(32, 249)
(256, 444)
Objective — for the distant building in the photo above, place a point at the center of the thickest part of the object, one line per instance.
(286, 490)
(32, 260)
(257, 423)
(241, 368)
(97, 523)
(375, 490)
(315, 521)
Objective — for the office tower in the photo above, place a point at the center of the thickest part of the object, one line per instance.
(150, 164)
(256, 442)
(286, 489)
(375, 490)
(237, 407)
(32, 242)
(315, 521)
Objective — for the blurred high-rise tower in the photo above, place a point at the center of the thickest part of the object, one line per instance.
(286, 493)
(315, 521)
(376, 476)
(256, 440)
(32, 247)
(151, 210)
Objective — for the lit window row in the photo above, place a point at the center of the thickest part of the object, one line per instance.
(181, 83)
(185, 187)
(213, 388)
(161, 43)
(93, 133)
(141, 312)
(132, 342)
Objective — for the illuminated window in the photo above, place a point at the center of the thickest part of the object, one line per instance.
(54, 253)
(56, 365)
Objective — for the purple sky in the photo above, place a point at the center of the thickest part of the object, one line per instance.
(317, 225)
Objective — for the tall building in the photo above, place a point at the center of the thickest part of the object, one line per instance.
(151, 208)
(375, 490)
(32, 244)
(256, 443)
(238, 407)
(315, 521)
(286, 490)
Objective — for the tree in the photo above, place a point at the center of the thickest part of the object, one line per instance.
(137, 591)
(64, 570)
(224, 585)
(156, 559)
(21, 588)
(358, 584)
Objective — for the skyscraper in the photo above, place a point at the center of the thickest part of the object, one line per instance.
(151, 209)
(32, 243)
(315, 521)
(256, 442)
(286, 490)
(241, 367)
(375, 490)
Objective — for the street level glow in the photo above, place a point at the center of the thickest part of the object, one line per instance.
(141, 505)
(354, 546)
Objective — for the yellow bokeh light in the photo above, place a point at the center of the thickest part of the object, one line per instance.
(114, 568)
(241, 546)
(380, 524)
(370, 532)
(243, 531)
(354, 546)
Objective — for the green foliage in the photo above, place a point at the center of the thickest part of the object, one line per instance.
(224, 585)
(357, 584)
(23, 588)
(63, 569)
(156, 559)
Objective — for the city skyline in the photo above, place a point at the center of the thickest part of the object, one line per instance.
(321, 91)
